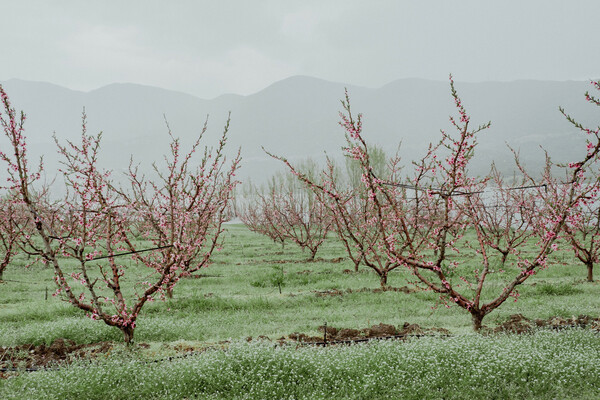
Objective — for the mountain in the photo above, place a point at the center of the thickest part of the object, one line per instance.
(298, 118)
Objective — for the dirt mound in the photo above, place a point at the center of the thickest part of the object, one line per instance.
(341, 292)
(375, 331)
(517, 323)
(304, 272)
(327, 293)
(381, 330)
(441, 331)
(348, 334)
(403, 289)
(301, 337)
(415, 329)
(61, 351)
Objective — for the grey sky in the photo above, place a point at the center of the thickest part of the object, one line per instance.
(208, 48)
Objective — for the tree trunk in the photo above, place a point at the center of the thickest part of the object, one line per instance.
(127, 334)
(590, 272)
(2, 268)
(477, 317)
(504, 257)
(313, 253)
(356, 264)
(169, 288)
(383, 279)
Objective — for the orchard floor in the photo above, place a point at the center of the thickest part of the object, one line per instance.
(257, 289)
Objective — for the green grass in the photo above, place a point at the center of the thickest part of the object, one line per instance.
(546, 365)
(239, 297)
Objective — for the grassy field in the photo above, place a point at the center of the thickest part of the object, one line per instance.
(542, 366)
(240, 297)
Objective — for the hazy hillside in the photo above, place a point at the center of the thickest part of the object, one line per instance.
(297, 117)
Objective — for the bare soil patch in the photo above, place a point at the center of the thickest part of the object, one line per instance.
(380, 331)
(64, 351)
(60, 352)
(517, 323)
(341, 292)
(304, 272)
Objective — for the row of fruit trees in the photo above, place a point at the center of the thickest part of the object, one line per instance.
(385, 214)
(421, 219)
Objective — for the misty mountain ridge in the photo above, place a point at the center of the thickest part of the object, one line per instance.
(298, 118)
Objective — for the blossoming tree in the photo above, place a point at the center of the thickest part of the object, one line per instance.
(508, 214)
(288, 210)
(583, 234)
(96, 226)
(11, 230)
(353, 218)
(182, 212)
(582, 229)
(427, 230)
(254, 212)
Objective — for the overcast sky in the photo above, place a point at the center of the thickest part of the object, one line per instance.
(208, 48)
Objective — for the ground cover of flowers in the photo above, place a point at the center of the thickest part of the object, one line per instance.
(547, 364)
(238, 296)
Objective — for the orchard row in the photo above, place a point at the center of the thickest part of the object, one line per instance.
(423, 218)
(387, 216)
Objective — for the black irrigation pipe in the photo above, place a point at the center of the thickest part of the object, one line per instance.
(132, 252)
(13, 369)
(433, 190)
(544, 185)
(458, 193)
(35, 369)
(32, 283)
(203, 276)
(363, 340)
(173, 358)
